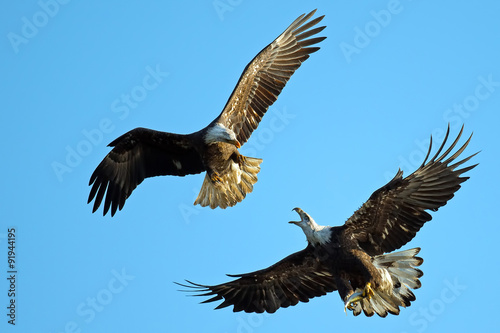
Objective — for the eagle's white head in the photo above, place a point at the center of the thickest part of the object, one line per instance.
(219, 133)
(315, 234)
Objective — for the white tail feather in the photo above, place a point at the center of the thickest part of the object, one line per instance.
(399, 275)
(234, 186)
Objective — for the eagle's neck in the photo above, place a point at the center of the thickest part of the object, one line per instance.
(317, 234)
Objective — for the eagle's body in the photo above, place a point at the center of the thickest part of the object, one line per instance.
(354, 258)
(352, 269)
(219, 157)
(142, 153)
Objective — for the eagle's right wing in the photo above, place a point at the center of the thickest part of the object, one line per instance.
(395, 213)
(298, 277)
(138, 154)
(266, 75)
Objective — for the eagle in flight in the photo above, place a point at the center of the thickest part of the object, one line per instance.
(143, 153)
(354, 258)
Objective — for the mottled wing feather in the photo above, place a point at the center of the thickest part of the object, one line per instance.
(139, 154)
(395, 213)
(265, 76)
(297, 278)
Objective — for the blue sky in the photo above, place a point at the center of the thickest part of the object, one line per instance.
(77, 75)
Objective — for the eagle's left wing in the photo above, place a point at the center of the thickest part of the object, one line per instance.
(298, 277)
(395, 213)
(265, 76)
(138, 154)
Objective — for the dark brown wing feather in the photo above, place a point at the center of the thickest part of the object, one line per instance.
(299, 277)
(139, 154)
(395, 213)
(265, 76)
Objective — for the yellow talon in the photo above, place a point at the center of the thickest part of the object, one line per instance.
(215, 178)
(368, 292)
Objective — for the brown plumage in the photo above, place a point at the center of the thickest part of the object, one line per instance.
(353, 258)
(142, 153)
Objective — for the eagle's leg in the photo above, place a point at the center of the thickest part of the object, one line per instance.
(370, 275)
(215, 177)
(241, 159)
(358, 296)
(345, 290)
(368, 292)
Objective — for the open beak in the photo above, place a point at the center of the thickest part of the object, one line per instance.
(298, 210)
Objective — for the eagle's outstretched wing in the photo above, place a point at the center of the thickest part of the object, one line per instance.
(395, 213)
(298, 277)
(138, 154)
(265, 76)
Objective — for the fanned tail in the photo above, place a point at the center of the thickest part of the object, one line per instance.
(234, 186)
(400, 275)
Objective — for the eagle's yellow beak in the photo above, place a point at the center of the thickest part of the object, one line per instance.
(299, 211)
(234, 142)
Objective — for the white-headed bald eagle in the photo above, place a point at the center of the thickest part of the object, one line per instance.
(352, 258)
(143, 153)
